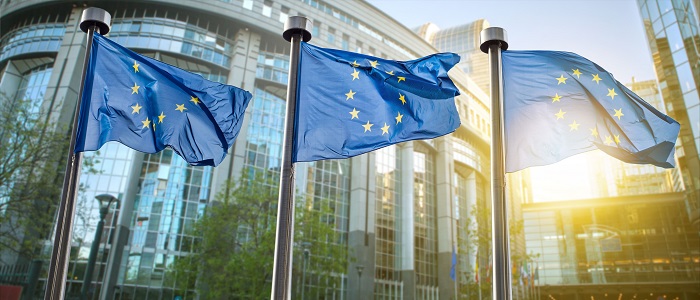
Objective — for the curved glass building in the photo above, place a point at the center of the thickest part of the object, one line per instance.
(400, 211)
(672, 32)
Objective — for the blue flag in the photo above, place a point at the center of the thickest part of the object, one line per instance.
(558, 104)
(350, 103)
(147, 105)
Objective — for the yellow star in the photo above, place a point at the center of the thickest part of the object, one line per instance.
(355, 64)
(135, 89)
(618, 113)
(608, 140)
(617, 139)
(350, 95)
(355, 75)
(180, 107)
(146, 123)
(401, 79)
(194, 100)
(136, 67)
(594, 132)
(398, 118)
(368, 126)
(390, 73)
(374, 63)
(354, 113)
(560, 114)
(161, 117)
(611, 93)
(596, 78)
(385, 129)
(574, 126)
(577, 73)
(556, 98)
(136, 108)
(561, 79)
(402, 98)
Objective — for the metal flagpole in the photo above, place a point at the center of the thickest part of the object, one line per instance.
(296, 29)
(93, 19)
(493, 40)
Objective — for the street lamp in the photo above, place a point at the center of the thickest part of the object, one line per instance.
(359, 280)
(307, 252)
(105, 202)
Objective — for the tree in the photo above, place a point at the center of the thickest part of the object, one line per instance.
(30, 181)
(233, 256)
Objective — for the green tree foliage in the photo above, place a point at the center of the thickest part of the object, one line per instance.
(30, 181)
(233, 256)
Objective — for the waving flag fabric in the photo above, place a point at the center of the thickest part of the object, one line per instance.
(350, 103)
(148, 105)
(558, 104)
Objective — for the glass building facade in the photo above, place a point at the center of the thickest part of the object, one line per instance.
(672, 32)
(634, 247)
(392, 209)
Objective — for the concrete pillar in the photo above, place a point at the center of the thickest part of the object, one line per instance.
(361, 236)
(242, 74)
(63, 89)
(446, 222)
(123, 229)
(10, 79)
(407, 227)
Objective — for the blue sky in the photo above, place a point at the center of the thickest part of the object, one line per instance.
(608, 32)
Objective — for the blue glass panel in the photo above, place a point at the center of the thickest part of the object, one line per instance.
(691, 99)
(685, 77)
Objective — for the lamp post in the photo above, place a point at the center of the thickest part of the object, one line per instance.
(307, 252)
(105, 202)
(359, 280)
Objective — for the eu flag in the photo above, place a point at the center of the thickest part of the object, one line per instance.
(558, 104)
(147, 105)
(350, 103)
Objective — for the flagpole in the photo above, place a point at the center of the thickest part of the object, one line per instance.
(493, 41)
(93, 19)
(296, 29)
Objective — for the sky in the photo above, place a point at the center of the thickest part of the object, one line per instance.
(607, 32)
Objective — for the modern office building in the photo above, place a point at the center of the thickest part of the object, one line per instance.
(672, 32)
(631, 247)
(465, 41)
(399, 210)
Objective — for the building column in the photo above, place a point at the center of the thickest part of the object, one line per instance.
(446, 218)
(242, 74)
(117, 256)
(407, 223)
(64, 85)
(361, 236)
(11, 79)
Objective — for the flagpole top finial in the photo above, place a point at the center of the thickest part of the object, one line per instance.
(297, 24)
(493, 35)
(97, 17)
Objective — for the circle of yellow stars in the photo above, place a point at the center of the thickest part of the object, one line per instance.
(151, 123)
(350, 95)
(574, 125)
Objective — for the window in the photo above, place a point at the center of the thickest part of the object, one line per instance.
(284, 14)
(248, 4)
(331, 35)
(317, 28)
(267, 8)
